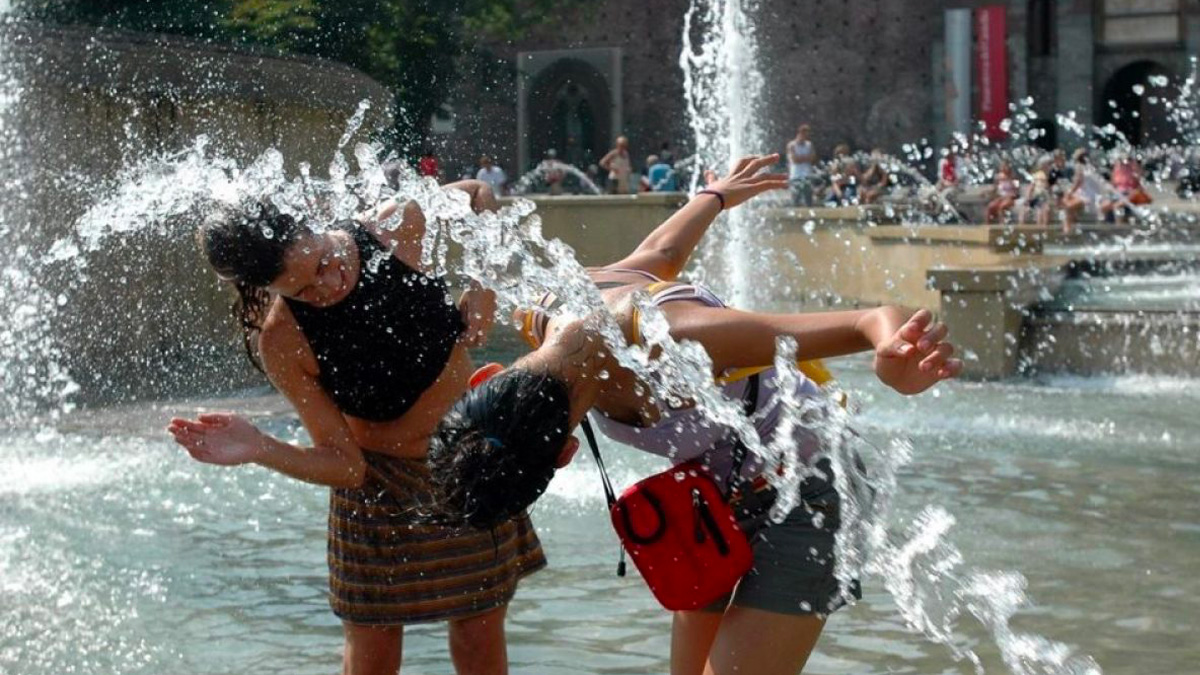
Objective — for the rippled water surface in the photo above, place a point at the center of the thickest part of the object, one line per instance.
(120, 555)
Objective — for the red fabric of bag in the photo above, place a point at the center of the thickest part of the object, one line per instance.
(683, 537)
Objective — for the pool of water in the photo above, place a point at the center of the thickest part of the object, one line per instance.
(120, 555)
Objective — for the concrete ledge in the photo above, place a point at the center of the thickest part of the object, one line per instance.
(1016, 281)
(985, 310)
(1113, 343)
(876, 213)
(602, 228)
(995, 238)
(668, 199)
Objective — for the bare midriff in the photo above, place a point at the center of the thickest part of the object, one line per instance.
(409, 436)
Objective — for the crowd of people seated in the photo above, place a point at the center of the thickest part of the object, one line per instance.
(1021, 187)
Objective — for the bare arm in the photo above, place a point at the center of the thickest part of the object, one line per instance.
(407, 237)
(738, 339)
(400, 226)
(334, 459)
(606, 161)
(478, 307)
(666, 250)
(911, 351)
(482, 197)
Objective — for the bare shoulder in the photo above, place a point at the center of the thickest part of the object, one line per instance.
(282, 345)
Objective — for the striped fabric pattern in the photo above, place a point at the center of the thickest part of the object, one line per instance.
(391, 563)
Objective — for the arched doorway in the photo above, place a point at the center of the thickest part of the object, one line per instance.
(570, 110)
(1134, 99)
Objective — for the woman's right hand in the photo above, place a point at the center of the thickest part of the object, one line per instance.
(223, 439)
(744, 180)
(917, 356)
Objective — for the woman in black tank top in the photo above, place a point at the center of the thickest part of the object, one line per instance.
(371, 351)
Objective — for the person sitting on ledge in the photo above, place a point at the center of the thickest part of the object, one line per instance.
(1006, 191)
(875, 180)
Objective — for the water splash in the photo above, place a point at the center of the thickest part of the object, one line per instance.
(537, 178)
(32, 379)
(723, 86)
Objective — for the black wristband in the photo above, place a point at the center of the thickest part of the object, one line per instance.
(720, 197)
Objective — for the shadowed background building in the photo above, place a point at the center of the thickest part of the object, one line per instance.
(867, 73)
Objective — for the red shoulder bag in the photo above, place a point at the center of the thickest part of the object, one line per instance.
(680, 530)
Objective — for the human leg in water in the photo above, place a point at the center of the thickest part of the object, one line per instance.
(372, 650)
(764, 643)
(477, 645)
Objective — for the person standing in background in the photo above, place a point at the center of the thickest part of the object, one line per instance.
(801, 156)
(428, 164)
(552, 172)
(492, 175)
(619, 167)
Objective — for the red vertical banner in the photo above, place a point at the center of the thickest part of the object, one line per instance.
(991, 65)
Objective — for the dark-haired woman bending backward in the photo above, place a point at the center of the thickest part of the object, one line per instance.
(372, 353)
(499, 447)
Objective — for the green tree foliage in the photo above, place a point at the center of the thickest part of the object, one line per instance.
(414, 47)
(195, 18)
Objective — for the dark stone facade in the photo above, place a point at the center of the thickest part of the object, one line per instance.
(859, 71)
(863, 72)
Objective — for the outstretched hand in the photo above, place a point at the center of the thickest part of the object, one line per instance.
(224, 439)
(917, 357)
(744, 180)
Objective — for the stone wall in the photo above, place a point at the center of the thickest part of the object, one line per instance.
(604, 229)
(859, 72)
(867, 73)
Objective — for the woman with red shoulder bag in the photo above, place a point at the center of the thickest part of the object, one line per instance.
(498, 449)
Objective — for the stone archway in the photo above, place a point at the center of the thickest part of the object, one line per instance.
(570, 110)
(1133, 102)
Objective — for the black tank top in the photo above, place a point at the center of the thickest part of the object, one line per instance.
(387, 341)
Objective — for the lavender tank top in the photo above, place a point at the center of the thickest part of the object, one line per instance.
(684, 435)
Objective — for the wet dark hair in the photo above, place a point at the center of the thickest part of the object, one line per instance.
(495, 452)
(246, 247)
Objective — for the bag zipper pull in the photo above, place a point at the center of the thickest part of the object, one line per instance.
(699, 519)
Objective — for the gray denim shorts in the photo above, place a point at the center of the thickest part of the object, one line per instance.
(793, 569)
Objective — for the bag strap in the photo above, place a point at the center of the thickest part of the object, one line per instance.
(609, 495)
(749, 407)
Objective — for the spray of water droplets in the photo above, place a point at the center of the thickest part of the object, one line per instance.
(919, 567)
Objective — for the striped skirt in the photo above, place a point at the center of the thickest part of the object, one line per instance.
(390, 563)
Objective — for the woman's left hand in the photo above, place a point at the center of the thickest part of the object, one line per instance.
(744, 180)
(917, 357)
(223, 439)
